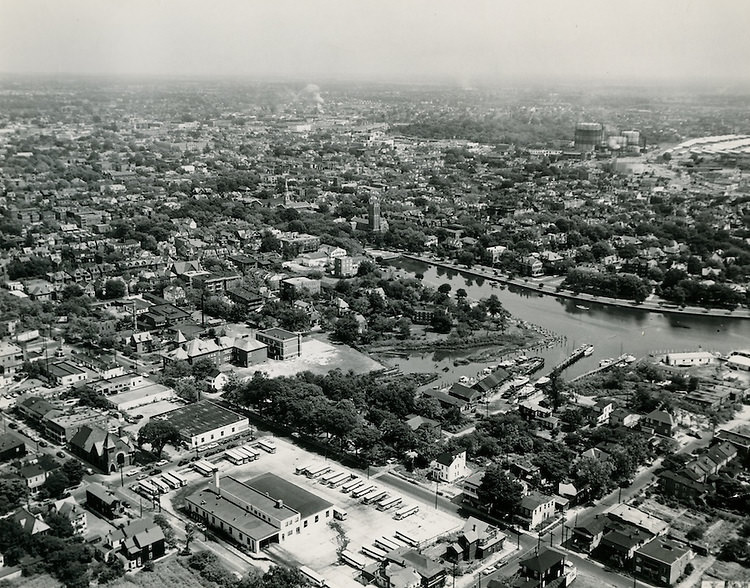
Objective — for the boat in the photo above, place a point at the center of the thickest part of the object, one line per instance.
(628, 358)
(588, 351)
(606, 362)
(582, 307)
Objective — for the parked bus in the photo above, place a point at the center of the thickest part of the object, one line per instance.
(178, 477)
(301, 470)
(169, 482)
(374, 496)
(267, 445)
(338, 479)
(374, 552)
(313, 577)
(387, 503)
(253, 453)
(327, 477)
(161, 486)
(351, 485)
(235, 456)
(406, 511)
(245, 454)
(362, 490)
(408, 539)
(148, 488)
(317, 471)
(387, 544)
(204, 468)
(339, 513)
(174, 478)
(356, 561)
(343, 480)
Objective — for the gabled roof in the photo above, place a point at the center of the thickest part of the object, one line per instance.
(660, 416)
(30, 523)
(93, 438)
(447, 458)
(543, 561)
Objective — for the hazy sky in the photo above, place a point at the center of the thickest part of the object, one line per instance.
(461, 40)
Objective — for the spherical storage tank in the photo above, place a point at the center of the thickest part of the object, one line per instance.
(588, 136)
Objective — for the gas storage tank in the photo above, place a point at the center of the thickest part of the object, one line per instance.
(588, 136)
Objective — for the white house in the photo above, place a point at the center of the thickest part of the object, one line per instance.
(449, 467)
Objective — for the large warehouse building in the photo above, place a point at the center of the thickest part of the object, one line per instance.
(205, 422)
(258, 512)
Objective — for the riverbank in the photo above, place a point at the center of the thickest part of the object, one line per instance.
(656, 306)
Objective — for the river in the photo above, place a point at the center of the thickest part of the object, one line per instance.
(613, 331)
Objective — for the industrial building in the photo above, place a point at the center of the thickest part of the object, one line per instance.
(261, 511)
(204, 422)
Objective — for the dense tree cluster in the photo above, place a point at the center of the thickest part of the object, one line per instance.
(615, 285)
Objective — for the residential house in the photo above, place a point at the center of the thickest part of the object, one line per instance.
(300, 287)
(535, 508)
(136, 543)
(32, 524)
(601, 412)
(431, 573)
(661, 561)
(619, 544)
(11, 447)
(543, 570)
(449, 466)
(35, 475)
(11, 359)
(587, 536)
(477, 540)
(141, 342)
(660, 422)
(71, 510)
(103, 501)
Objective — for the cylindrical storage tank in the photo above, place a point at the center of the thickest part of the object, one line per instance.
(588, 136)
(633, 138)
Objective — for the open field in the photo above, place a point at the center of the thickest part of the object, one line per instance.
(318, 356)
(41, 581)
(724, 570)
(317, 549)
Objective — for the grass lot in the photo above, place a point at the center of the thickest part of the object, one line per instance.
(722, 570)
(169, 572)
(41, 581)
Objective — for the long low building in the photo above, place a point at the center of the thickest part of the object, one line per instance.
(147, 393)
(261, 511)
(205, 422)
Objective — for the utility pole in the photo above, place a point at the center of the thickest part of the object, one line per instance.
(437, 486)
(122, 479)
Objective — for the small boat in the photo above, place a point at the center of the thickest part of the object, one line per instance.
(588, 351)
(582, 307)
(606, 362)
(628, 358)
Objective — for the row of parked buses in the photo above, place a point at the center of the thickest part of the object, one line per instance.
(379, 550)
(161, 484)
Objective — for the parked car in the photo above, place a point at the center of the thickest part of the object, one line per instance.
(142, 477)
(162, 462)
(183, 462)
(42, 444)
(12, 425)
(155, 471)
(60, 454)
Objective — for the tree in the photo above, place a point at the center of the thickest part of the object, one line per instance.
(346, 330)
(55, 484)
(404, 327)
(465, 258)
(60, 525)
(73, 469)
(114, 288)
(441, 322)
(276, 577)
(444, 288)
(202, 368)
(158, 434)
(190, 532)
(597, 474)
(461, 294)
(12, 493)
(166, 529)
(499, 492)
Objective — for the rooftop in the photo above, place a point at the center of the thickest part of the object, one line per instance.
(299, 499)
(201, 417)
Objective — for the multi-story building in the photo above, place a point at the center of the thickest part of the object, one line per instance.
(661, 561)
(449, 466)
(204, 422)
(282, 344)
(534, 509)
(11, 359)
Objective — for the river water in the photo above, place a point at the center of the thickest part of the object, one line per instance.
(612, 330)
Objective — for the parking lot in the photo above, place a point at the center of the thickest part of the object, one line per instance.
(317, 548)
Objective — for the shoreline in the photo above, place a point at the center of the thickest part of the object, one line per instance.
(646, 306)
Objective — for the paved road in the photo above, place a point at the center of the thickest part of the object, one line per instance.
(418, 492)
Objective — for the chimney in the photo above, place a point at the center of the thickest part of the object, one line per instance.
(216, 482)
(279, 503)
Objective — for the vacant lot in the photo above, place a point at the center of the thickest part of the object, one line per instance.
(169, 572)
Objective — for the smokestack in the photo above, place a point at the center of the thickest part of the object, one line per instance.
(216, 482)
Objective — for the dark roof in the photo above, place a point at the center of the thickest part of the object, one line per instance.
(662, 550)
(299, 499)
(492, 380)
(8, 441)
(542, 562)
(626, 539)
(100, 492)
(200, 417)
(276, 333)
(424, 566)
(446, 458)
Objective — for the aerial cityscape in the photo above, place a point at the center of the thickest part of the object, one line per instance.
(342, 294)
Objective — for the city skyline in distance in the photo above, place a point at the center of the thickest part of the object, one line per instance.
(467, 44)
